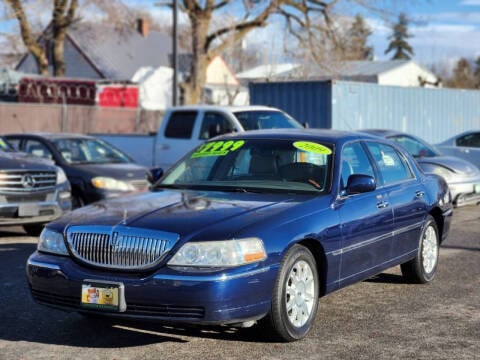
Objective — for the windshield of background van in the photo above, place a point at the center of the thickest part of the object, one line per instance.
(264, 119)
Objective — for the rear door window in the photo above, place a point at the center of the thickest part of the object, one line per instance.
(180, 124)
(214, 124)
(392, 166)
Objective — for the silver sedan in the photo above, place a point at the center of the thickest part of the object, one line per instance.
(465, 145)
(462, 176)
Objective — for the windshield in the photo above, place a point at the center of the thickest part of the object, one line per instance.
(254, 165)
(415, 147)
(4, 145)
(265, 119)
(85, 150)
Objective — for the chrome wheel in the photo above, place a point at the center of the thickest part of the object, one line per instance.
(300, 293)
(429, 249)
(422, 268)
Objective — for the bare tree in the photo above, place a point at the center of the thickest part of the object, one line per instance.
(463, 76)
(208, 41)
(357, 40)
(62, 17)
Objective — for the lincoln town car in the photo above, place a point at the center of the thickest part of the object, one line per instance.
(248, 229)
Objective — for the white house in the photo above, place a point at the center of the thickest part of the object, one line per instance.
(391, 72)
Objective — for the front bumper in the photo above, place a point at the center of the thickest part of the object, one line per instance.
(228, 297)
(465, 192)
(35, 208)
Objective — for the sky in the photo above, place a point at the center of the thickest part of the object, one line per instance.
(442, 30)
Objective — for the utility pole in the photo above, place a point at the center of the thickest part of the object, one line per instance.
(175, 55)
(174, 6)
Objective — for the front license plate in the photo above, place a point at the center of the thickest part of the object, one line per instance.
(28, 210)
(476, 188)
(103, 295)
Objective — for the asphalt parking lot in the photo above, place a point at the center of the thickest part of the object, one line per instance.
(381, 318)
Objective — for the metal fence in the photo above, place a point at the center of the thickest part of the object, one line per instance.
(28, 117)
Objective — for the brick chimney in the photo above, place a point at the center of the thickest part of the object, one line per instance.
(142, 26)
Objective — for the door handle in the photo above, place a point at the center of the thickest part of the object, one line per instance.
(419, 194)
(382, 205)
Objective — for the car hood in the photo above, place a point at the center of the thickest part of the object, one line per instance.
(455, 164)
(19, 160)
(182, 212)
(120, 171)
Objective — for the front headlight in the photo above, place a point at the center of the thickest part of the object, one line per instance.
(61, 177)
(108, 183)
(226, 253)
(52, 242)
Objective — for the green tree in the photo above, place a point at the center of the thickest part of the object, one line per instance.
(398, 40)
(356, 47)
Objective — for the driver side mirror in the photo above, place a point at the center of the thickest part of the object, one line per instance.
(359, 183)
(155, 175)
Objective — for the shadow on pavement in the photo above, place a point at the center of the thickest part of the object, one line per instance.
(25, 320)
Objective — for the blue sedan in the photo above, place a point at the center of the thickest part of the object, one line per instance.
(248, 228)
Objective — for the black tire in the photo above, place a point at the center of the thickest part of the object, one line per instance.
(33, 229)
(288, 319)
(423, 267)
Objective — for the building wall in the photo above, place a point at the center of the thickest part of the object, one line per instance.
(218, 73)
(307, 101)
(433, 114)
(407, 75)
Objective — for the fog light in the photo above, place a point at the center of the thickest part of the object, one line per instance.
(64, 195)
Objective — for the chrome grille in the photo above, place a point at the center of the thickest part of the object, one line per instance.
(19, 181)
(119, 247)
(21, 198)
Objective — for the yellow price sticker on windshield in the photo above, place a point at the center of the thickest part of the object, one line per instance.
(218, 148)
(312, 147)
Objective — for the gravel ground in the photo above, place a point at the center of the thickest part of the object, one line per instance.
(381, 318)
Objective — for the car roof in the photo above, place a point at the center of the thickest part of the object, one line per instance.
(383, 132)
(224, 108)
(325, 135)
(52, 136)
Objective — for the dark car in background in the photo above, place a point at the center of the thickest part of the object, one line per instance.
(463, 177)
(95, 169)
(32, 191)
(247, 227)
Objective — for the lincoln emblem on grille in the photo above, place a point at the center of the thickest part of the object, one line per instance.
(114, 240)
(28, 181)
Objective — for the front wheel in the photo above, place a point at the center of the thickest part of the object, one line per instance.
(423, 267)
(295, 295)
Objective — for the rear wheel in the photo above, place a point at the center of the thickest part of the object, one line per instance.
(33, 229)
(295, 295)
(423, 267)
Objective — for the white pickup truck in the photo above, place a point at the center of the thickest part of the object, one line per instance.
(185, 127)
